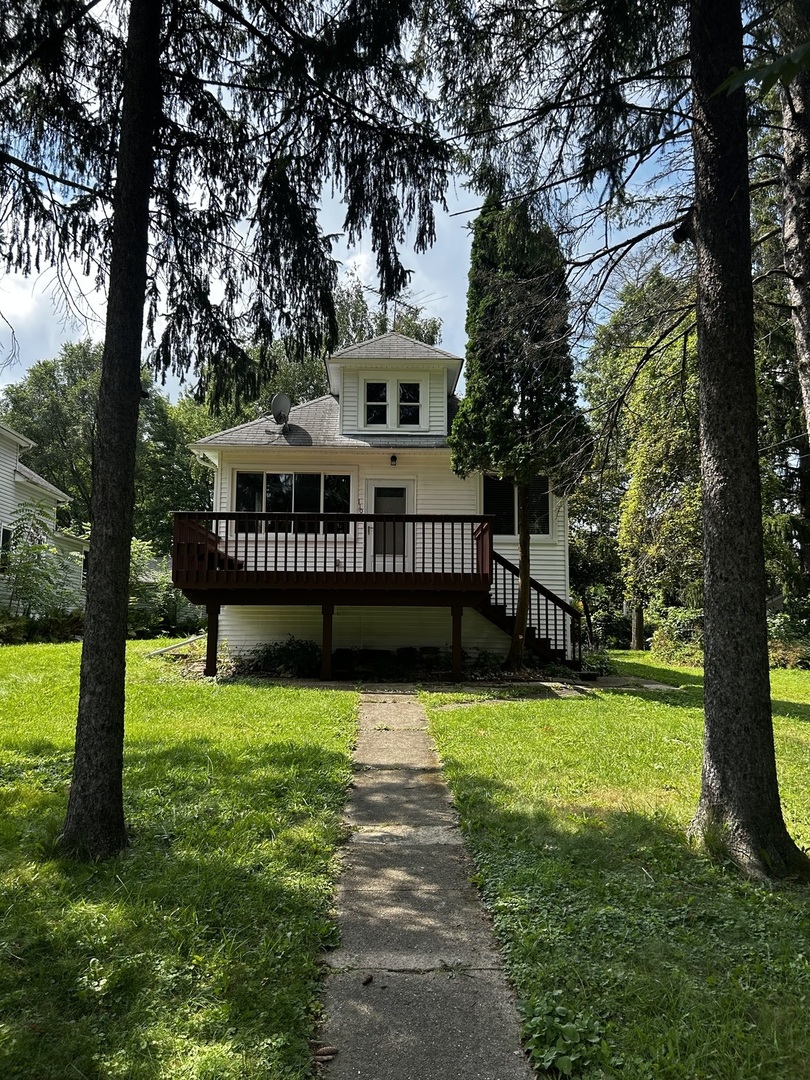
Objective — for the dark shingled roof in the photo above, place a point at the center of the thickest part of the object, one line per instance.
(315, 423)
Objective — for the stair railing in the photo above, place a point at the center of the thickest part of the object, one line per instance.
(552, 619)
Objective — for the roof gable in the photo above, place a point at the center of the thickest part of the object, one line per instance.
(393, 346)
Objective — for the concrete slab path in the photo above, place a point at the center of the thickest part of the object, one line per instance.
(416, 990)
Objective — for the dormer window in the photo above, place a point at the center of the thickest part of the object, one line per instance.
(410, 406)
(377, 403)
(394, 403)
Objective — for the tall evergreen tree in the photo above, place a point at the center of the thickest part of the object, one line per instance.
(518, 419)
(203, 119)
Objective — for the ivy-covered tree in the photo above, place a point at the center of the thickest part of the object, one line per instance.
(518, 419)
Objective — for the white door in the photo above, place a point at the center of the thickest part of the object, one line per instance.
(389, 544)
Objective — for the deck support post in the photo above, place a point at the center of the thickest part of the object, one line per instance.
(457, 611)
(212, 640)
(326, 642)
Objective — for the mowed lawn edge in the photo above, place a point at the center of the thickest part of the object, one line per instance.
(632, 954)
(194, 954)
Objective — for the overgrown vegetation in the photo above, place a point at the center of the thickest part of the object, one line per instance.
(193, 955)
(634, 954)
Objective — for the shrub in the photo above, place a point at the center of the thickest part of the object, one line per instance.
(788, 641)
(155, 606)
(679, 637)
(597, 661)
(293, 657)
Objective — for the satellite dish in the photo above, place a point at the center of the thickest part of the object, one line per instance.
(280, 408)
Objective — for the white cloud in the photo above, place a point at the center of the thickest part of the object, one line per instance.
(38, 317)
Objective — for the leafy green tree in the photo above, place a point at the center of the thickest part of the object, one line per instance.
(38, 578)
(54, 404)
(595, 565)
(518, 419)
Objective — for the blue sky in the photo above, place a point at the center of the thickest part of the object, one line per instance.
(37, 311)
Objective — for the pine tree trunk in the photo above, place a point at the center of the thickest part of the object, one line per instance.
(795, 29)
(739, 810)
(95, 826)
(637, 627)
(514, 658)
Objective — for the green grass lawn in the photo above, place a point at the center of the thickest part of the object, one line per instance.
(633, 955)
(194, 954)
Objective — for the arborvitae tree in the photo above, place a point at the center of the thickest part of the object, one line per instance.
(518, 418)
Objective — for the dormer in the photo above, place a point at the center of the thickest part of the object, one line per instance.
(393, 385)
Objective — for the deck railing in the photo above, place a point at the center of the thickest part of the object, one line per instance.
(233, 550)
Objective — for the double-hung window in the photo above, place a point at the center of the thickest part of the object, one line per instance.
(377, 404)
(500, 500)
(285, 494)
(393, 403)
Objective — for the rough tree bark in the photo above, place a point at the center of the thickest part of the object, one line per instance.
(739, 810)
(95, 826)
(794, 21)
(514, 658)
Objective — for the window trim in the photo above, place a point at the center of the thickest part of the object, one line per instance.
(322, 472)
(393, 382)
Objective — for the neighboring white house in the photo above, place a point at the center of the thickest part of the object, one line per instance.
(20, 485)
(345, 524)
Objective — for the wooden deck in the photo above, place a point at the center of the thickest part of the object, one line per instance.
(332, 559)
(237, 555)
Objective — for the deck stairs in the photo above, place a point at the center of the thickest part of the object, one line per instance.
(553, 625)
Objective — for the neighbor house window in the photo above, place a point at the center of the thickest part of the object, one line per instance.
(5, 549)
(500, 500)
(293, 493)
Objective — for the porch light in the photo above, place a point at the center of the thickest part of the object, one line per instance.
(393, 459)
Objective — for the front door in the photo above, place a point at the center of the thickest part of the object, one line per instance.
(389, 543)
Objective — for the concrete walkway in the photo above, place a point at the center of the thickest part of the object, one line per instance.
(416, 990)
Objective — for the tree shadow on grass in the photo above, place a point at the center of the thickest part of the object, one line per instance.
(610, 914)
(659, 671)
(199, 944)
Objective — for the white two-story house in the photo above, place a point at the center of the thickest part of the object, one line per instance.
(345, 524)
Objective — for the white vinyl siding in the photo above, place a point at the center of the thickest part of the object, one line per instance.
(357, 627)
(349, 400)
(437, 405)
(433, 400)
(8, 493)
(437, 490)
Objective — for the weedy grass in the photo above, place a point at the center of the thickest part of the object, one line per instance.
(633, 955)
(194, 954)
